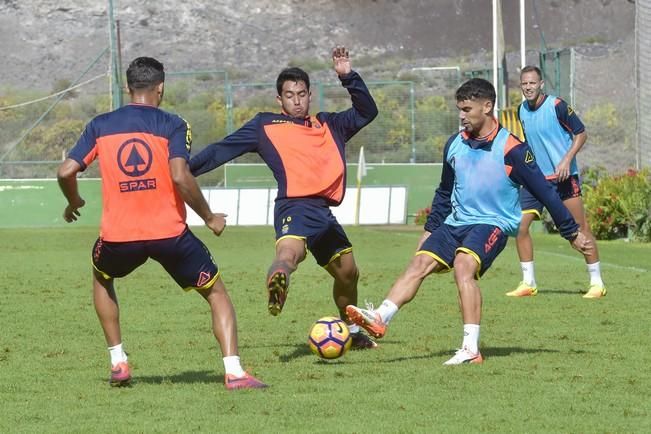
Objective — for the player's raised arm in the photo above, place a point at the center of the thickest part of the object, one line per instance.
(341, 61)
(364, 109)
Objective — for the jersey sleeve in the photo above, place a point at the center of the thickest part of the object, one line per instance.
(523, 169)
(85, 150)
(568, 117)
(180, 139)
(214, 155)
(363, 111)
(441, 203)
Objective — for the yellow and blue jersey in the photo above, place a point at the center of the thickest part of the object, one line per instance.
(548, 129)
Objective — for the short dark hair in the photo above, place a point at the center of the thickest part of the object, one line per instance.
(476, 88)
(291, 74)
(531, 68)
(145, 73)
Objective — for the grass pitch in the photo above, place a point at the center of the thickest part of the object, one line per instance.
(553, 363)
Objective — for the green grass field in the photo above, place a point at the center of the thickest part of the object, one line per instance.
(553, 363)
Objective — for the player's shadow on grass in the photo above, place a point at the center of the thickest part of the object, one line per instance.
(303, 350)
(300, 350)
(188, 377)
(505, 351)
(486, 352)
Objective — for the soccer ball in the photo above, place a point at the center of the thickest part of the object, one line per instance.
(329, 338)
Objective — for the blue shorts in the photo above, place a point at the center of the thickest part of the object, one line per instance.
(184, 257)
(567, 189)
(312, 221)
(483, 242)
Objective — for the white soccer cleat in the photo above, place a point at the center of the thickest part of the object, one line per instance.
(463, 356)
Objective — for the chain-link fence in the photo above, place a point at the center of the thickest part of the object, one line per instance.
(606, 104)
(37, 134)
(599, 82)
(642, 78)
(416, 116)
(37, 130)
(557, 67)
(201, 98)
(414, 120)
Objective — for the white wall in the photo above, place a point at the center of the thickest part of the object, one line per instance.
(255, 206)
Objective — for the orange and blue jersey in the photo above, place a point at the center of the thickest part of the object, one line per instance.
(480, 184)
(548, 129)
(134, 145)
(306, 156)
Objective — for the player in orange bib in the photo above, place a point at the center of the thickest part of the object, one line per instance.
(143, 156)
(308, 159)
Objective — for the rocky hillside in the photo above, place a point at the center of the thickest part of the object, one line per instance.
(43, 41)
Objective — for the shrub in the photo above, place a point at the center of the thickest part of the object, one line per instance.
(421, 216)
(619, 206)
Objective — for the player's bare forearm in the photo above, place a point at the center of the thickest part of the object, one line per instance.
(577, 143)
(563, 170)
(67, 179)
(188, 188)
(191, 194)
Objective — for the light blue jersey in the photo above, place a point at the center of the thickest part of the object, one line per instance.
(483, 193)
(546, 135)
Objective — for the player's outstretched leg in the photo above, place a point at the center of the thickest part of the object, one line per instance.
(368, 319)
(277, 287)
(290, 252)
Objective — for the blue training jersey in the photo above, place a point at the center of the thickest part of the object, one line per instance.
(480, 184)
(483, 192)
(548, 129)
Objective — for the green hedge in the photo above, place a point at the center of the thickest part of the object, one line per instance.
(618, 206)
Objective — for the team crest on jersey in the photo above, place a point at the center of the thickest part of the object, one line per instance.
(528, 157)
(285, 227)
(188, 135)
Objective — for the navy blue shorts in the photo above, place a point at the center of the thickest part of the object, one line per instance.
(483, 242)
(313, 222)
(184, 257)
(567, 189)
